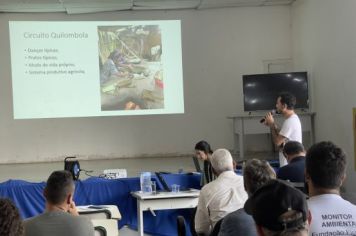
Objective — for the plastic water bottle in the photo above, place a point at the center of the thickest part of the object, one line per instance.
(145, 181)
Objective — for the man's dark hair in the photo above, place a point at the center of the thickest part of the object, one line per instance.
(10, 220)
(257, 173)
(293, 147)
(288, 99)
(59, 185)
(326, 165)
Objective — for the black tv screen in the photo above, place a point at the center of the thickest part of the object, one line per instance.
(261, 90)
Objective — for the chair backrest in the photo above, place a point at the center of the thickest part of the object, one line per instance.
(181, 226)
(97, 214)
(100, 212)
(298, 185)
(100, 231)
(105, 227)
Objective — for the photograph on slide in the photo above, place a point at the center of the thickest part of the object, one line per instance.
(131, 70)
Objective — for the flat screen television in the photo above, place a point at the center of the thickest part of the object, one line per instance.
(261, 90)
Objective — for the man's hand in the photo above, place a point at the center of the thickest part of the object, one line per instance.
(269, 120)
(73, 209)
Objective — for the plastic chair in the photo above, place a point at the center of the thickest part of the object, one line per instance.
(100, 231)
(105, 227)
(181, 226)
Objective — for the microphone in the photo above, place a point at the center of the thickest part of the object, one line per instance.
(273, 112)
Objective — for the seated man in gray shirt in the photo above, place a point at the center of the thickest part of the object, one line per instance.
(61, 216)
(256, 173)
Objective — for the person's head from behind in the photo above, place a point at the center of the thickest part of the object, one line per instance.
(279, 209)
(203, 150)
(10, 220)
(221, 160)
(325, 166)
(285, 101)
(257, 173)
(293, 149)
(59, 188)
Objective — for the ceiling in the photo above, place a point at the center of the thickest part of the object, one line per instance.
(92, 6)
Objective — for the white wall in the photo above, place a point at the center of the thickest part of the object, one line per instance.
(218, 47)
(324, 44)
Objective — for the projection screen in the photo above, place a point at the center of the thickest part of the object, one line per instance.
(83, 69)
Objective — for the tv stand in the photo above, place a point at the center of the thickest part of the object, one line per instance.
(250, 124)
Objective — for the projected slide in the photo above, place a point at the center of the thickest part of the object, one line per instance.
(80, 69)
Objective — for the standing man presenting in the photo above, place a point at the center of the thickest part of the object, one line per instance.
(291, 129)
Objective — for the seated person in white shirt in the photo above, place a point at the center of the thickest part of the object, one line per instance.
(325, 173)
(256, 173)
(221, 196)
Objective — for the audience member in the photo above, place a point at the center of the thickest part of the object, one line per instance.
(256, 173)
(61, 216)
(325, 173)
(279, 209)
(221, 196)
(294, 171)
(10, 221)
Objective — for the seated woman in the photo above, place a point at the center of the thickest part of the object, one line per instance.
(203, 152)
